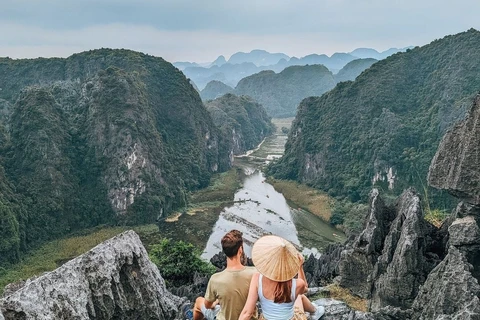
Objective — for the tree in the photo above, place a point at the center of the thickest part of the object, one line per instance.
(178, 261)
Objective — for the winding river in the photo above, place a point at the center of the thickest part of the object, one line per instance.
(259, 209)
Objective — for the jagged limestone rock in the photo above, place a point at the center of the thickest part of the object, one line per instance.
(392, 313)
(450, 291)
(400, 269)
(377, 226)
(338, 310)
(464, 231)
(114, 280)
(358, 262)
(323, 269)
(456, 164)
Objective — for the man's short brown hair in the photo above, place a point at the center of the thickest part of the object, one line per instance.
(231, 242)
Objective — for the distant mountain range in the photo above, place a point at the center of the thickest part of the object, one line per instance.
(280, 93)
(241, 64)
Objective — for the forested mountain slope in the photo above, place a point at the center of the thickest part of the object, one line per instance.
(243, 122)
(100, 137)
(281, 92)
(353, 69)
(215, 89)
(383, 129)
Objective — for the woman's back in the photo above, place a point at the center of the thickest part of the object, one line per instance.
(273, 310)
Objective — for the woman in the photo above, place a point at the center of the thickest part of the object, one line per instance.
(281, 296)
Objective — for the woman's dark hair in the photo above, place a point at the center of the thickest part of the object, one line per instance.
(231, 242)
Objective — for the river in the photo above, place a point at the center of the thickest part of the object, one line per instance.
(259, 209)
(256, 209)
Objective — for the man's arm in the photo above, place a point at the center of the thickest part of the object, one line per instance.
(210, 296)
(209, 304)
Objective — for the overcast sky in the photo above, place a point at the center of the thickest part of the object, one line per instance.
(196, 30)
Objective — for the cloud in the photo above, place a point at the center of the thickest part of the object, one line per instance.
(202, 30)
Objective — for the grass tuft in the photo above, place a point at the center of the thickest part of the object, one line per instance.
(310, 199)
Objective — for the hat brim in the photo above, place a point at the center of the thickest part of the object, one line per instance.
(275, 258)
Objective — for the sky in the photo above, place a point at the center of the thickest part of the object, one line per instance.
(200, 31)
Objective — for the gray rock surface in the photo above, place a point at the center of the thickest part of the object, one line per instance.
(323, 270)
(450, 291)
(464, 231)
(114, 280)
(456, 164)
(358, 261)
(400, 269)
(338, 310)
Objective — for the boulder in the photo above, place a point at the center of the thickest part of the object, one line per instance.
(400, 269)
(464, 232)
(450, 291)
(114, 280)
(456, 164)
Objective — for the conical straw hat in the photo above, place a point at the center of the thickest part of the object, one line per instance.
(275, 258)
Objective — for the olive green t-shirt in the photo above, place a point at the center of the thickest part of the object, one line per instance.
(230, 287)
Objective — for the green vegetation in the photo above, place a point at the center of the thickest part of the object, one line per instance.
(389, 121)
(242, 121)
(222, 188)
(199, 217)
(349, 216)
(82, 138)
(178, 261)
(280, 93)
(353, 69)
(215, 89)
(307, 198)
(436, 217)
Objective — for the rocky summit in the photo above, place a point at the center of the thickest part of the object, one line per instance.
(407, 268)
(115, 280)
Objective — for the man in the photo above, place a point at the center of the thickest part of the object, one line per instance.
(228, 288)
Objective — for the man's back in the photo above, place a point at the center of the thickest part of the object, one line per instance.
(230, 287)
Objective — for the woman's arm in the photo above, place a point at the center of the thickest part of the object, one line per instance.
(301, 273)
(250, 305)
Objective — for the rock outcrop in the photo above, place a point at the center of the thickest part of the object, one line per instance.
(359, 260)
(456, 164)
(322, 270)
(452, 289)
(401, 268)
(114, 280)
(388, 261)
(450, 292)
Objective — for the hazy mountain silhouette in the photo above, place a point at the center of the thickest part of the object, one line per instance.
(241, 64)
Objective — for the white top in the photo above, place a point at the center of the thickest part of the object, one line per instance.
(276, 311)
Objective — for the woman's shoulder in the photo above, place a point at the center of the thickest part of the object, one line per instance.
(300, 283)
